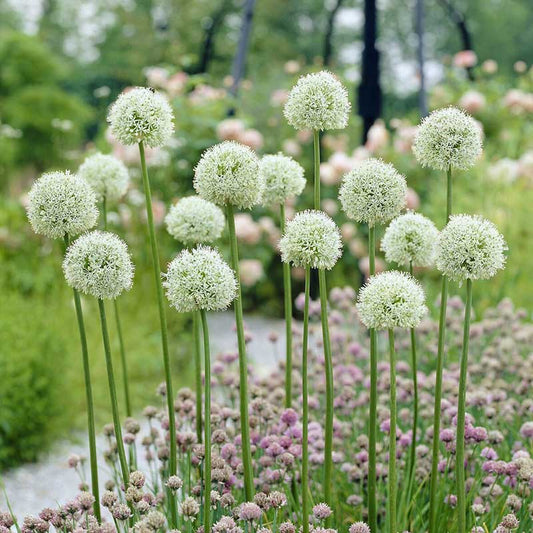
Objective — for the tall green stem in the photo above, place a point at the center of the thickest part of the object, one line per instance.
(164, 333)
(207, 425)
(305, 407)
(243, 364)
(196, 324)
(287, 298)
(113, 394)
(461, 407)
(372, 422)
(316, 169)
(438, 377)
(392, 436)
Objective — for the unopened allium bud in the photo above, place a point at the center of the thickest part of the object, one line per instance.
(470, 247)
(228, 173)
(194, 220)
(448, 138)
(200, 279)
(390, 300)
(317, 102)
(283, 177)
(59, 204)
(373, 192)
(107, 176)
(99, 264)
(410, 238)
(311, 239)
(141, 115)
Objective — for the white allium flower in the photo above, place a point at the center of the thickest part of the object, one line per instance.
(194, 220)
(448, 138)
(98, 263)
(311, 239)
(391, 300)
(470, 247)
(61, 203)
(410, 238)
(107, 175)
(283, 177)
(317, 102)
(228, 173)
(141, 114)
(373, 192)
(200, 279)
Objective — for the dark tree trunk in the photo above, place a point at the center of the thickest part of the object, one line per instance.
(419, 24)
(369, 93)
(328, 37)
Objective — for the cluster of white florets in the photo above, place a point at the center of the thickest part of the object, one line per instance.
(312, 240)
(200, 279)
(318, 102)
(470, 247)
(228, 173)
(373, 192)
(107, 175)
(194, 220)
(448, 138)
(410, 239)
(283, 178)
(141, 114)
(391, 300)
(99, 264)
(61, 204)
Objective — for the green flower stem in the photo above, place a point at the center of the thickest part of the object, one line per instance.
(372, 424)
(305, 408)
(90, 405)
(207, 425)
(316, 168)
(196, 324)
(243, 364)
(113, 394)
(328, 448)
(287, 296)
(438, 378)
(392, 481)
(164, 333)
(460, 443)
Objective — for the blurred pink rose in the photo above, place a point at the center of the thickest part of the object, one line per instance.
(246, 229)
(304, 136)
(489, 66)
(412, 200)
(404, 138)
(251, 271)
(230, 129)
(292, 66)
(520, 67)
(341, 163)
(377, 138)
(348, 231)
(472, 101)
(465, 59)
(156, 77)
(335, 143)
(357, 248)
(360, 154)
(292, 147)
(176, 83)
(330, 206)
(251, 138)
(278, 97)
(364, 265)
(328, 176)
(504, 170)
(525, 166)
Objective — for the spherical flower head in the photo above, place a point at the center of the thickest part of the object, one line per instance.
(359, 527)
(200, 279)
(60, 203)
(99, 264)
(391, 300)
(312, 240)
(317, 102)
(141, 115)
(107, 175)
(194, 220)
(283, 178)
(373, 192)
(228, 173)
(448, 138)
(410, 238)
(470, 247)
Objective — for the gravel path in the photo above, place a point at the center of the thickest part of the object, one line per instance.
(49, 481)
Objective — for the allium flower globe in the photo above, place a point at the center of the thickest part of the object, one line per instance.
(61, 204)
(99, 264)
(448, 138)
(317, 102)
(391, 300)
(410, 238)
(312, 240)
(373, 192)
(107, 175)
(200, 279)
(194, 220)
(470, 247)
(283, 178)
(228, 173)
(141, 114)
